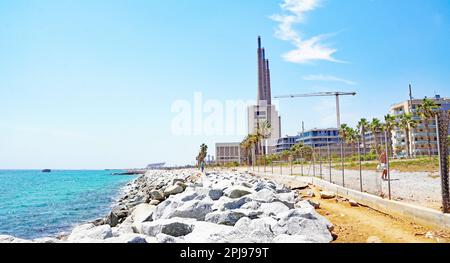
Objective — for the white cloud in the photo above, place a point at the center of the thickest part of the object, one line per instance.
(306, 49)
(322, 77)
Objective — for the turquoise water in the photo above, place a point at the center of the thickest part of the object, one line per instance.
(35, 204)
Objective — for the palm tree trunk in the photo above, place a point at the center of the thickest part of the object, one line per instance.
(428, 137)
(408, 143)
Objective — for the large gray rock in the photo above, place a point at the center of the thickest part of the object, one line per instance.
(230, 217)
(173, 190)
(174, 207)
(88, 232)
(264, 196)
(175, 227)
(196, 209)
(141, 214)
(215, 194)
(247, 231)
(205, 232)
(157, 195)
(273, 209)
(125, 228)
(129, 238)
(225, 203)
(117, 215)
(166, 239)
(304, 222)
(287, 198)
(238, 191)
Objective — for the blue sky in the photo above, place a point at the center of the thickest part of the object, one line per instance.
(90, 84)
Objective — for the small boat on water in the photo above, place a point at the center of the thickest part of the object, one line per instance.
(46, 171)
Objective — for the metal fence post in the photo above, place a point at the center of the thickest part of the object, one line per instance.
(342, 162)
(302, 160)
(314, 161)
(387, 163)
(320, 162)
(360, 166)
(329, 160)
(442, 123)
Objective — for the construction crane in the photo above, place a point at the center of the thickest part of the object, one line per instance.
(336, 94)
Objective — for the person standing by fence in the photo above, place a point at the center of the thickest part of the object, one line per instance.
(383, 166)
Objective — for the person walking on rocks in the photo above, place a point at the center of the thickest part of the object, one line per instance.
(202, 166)
(383, 166)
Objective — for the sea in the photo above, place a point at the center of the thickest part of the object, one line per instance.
(34, 204)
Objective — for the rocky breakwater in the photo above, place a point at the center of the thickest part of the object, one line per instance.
(184, 207)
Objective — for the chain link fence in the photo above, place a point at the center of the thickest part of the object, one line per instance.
(416, 181)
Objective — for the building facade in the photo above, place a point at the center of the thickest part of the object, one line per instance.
(286, 143)
(229, 153)
(319, 137)
(418, 136)
(371, 141)
(325, 141)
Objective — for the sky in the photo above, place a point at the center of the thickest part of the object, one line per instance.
(91, 84)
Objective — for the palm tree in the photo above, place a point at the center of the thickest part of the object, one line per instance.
(297, 148)
(390, 122)
(427, 111)
(344, 132)
(246, 144)
(376, 127)
(407, 123)
(363, 125)
(264, 131)
(352, 138)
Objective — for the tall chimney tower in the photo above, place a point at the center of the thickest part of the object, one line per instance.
(264, 92)
(260, 73)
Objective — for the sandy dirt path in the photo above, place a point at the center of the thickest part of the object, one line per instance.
(358, 224)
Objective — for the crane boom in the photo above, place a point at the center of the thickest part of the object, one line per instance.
(319, 94)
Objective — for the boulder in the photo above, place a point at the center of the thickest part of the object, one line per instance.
(128, 238)
(215, 194)
(299, 186)
(155, 202)
(175, 227)
(205, 232)
(314, 203)
(264, 196)
(86, 233)
(353, 203)
(196, 209)
(327, 195)
(304, 222)
(286, 198)
(141, 214)
(237, 192)
(125, 228)
(166, 239)
(230, 217)
(273, 209)
(117, 215)
(247, 231)
(157, 195)
(173, 190)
